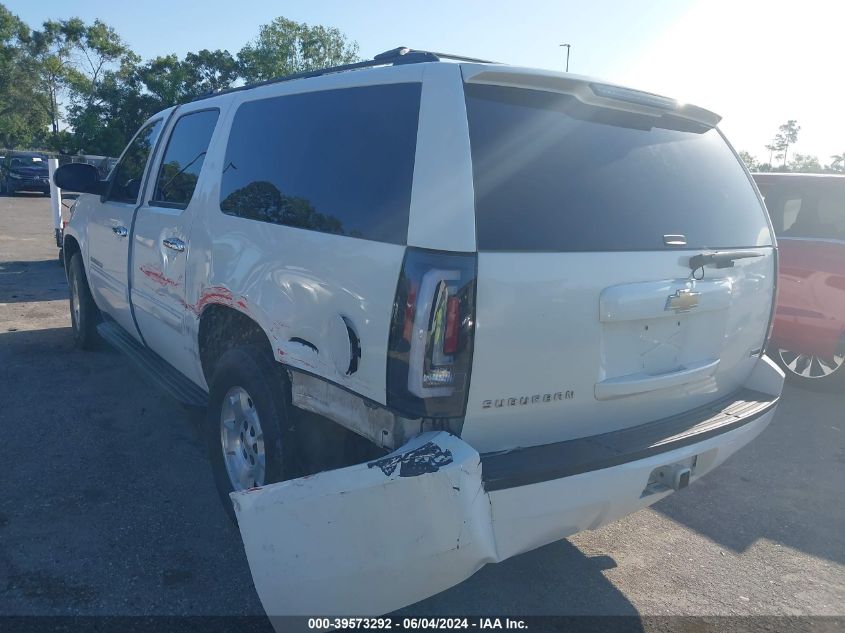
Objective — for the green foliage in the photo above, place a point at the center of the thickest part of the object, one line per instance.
(20, 124)
(749, 160)
(787, 135)
(804, 163)
(284, 47)
(85, 76)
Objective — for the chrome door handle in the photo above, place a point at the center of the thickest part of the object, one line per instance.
(174, 243)
(120, 231)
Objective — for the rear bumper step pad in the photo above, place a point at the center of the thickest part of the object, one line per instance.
(524, 466)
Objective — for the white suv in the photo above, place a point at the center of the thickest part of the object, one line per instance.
(521, 303)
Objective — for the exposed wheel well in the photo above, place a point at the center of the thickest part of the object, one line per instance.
(222, 328)
(322, 444)
(70, 247)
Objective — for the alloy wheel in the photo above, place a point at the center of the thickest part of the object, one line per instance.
(242, 440)
(810, 366)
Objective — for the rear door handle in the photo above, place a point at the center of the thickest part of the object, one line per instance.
(174, 243)
(120, 231)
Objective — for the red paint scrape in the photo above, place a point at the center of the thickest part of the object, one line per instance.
(217, 295)
(157, 276)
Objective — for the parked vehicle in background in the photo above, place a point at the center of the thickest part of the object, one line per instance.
(539, 301)
(808, 214)
(24, 171)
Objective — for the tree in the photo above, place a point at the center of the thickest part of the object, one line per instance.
(210, 71)
(772, 149)
(805, 163)
(21, 125)
(787, 135)
(72, 58)
(85, 75)
(749, 160)
(837, 163)
(284, 47)
(171, 80)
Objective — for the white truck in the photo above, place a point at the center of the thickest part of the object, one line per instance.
(439, 313)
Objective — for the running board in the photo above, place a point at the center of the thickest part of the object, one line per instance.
(152, 366)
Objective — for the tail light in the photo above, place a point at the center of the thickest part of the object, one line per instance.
(430, 348)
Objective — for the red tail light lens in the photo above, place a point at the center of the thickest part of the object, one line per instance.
(430, 347)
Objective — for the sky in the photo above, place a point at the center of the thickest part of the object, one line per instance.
(757, 63)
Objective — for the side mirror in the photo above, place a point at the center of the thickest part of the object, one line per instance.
(133, 188)
(79, 177)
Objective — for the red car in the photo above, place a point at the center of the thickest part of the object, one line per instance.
(808, 214)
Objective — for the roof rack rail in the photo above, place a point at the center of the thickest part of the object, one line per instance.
(395, 57)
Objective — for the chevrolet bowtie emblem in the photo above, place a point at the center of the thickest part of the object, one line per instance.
(683, 300)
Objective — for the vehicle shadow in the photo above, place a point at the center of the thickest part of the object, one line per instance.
(107, 504)
(789, 481)
(555, 580)
(31, 281)
(123, 483)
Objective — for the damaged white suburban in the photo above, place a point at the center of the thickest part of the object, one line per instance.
(439, 313)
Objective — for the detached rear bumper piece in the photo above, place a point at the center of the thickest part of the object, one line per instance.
(375, 537)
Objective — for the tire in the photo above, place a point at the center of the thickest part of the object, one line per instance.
(84, 314)
(247, 427)
(812, 372)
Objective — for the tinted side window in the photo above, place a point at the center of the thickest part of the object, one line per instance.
(831, 213)
(183, 159)
(807, 210)
(552, 174)
(336, 161)
(126, 181)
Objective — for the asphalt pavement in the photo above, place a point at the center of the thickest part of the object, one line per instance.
(107, 505)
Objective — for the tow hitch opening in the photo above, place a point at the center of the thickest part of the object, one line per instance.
(670, 477)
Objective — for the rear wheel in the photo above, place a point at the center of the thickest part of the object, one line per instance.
(818, 373)
(247, 426)
(84, 314)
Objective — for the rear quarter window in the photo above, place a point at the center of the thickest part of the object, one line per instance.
(335, 161)
(551, 174)
(808, 209)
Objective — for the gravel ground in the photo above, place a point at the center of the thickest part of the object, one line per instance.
(108, 506)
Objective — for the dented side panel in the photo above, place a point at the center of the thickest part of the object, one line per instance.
(302, 287)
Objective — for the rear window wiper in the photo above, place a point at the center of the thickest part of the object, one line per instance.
(723, 259)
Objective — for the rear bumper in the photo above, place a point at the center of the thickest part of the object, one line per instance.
(372, 538)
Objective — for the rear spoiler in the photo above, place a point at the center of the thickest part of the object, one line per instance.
(588, 91)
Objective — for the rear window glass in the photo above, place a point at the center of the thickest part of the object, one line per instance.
(335, 161)
(807, 209)
(552, 174)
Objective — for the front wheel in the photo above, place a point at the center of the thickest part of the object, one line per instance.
(818, 373)
(84, 314)
(247, 426)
